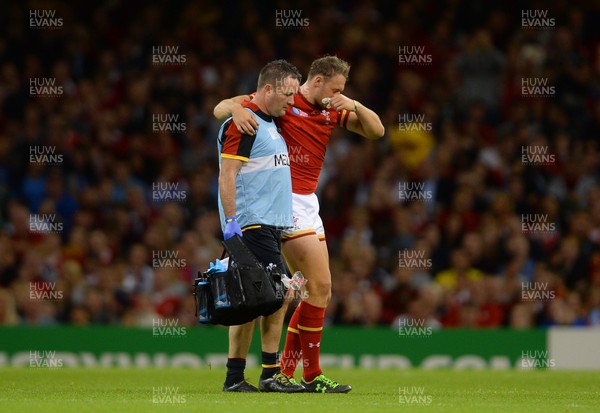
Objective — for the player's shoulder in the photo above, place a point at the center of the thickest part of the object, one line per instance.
(229, 132)
(229, 127)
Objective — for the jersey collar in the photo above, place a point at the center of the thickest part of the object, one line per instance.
(254, 108)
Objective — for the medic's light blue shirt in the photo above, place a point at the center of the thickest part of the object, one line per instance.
(264, 183)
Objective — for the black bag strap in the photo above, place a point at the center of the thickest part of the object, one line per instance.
(240, 253)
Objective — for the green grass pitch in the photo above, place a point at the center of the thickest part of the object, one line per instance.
(66, 390)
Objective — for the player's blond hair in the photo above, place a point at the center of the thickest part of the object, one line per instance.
(329, 66)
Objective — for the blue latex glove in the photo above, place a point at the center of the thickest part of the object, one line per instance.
(215, 267)
(231, 228)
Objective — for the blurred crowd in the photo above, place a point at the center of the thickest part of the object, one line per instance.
(446, 220)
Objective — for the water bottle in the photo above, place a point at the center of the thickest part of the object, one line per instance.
(219, 285)
(203, 298)
(298, 281)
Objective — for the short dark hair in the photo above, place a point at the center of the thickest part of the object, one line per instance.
(329, 66)
(277, 70)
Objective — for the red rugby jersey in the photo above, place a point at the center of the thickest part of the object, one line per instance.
(306, 129)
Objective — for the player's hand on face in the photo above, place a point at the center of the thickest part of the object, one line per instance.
(339, 102)
(244, 121)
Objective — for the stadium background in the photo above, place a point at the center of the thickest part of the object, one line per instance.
(470, 163)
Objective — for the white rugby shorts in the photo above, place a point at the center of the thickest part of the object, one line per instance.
(307, 221)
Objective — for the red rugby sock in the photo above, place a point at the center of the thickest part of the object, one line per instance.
(310, 326)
